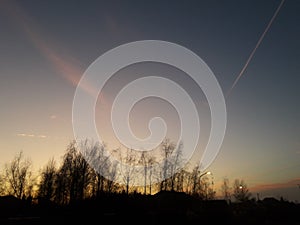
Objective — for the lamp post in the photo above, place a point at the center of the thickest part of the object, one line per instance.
(206, 173)
(203, 174)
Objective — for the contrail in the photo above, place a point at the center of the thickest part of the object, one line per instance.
(255, 48)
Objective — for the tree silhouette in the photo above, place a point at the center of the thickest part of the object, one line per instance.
(2, 185)
(167, 148)
(194, 181)
(240, 191)
(104, 173)
(87, 175)
(46, 190)
(226, 190)
(128, 168)
(206, 190)
(18, 176)
(174, 164)
(74, 176)
(147, 162)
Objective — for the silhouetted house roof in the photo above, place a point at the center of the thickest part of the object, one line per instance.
(10, 205)
(180, 205)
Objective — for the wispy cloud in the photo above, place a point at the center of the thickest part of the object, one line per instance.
(291, 183)
(42, 136)
(53, 117)
(68, 67)
(31, 135)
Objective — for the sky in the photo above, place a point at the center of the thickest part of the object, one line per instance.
(46, 46)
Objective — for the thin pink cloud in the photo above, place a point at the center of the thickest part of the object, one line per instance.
(291, 183)
(68, 67)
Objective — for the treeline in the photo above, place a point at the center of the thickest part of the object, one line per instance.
(86, 172)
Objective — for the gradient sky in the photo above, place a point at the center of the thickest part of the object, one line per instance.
(45, 46)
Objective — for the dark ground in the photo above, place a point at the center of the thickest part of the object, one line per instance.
(163, 208)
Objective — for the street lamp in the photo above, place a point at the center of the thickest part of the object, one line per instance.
(205, 184)
(206, 173)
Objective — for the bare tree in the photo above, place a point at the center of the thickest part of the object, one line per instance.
(240, 191)
(105, 173)
(17, 175)
(111, 185)
(61, 195)
(46, 189)
(80, 171)
(2, 185)
(74, 175)
(174, 165)
(128, 169)
(195, 180)
(199, 185)
(226, 190)
(167, 148)
(179, 180)
(186, 181)
(152, 172)
(206, 190)
(100, 162)
(147, 161)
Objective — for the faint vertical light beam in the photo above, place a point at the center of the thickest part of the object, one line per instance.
(255, 48)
